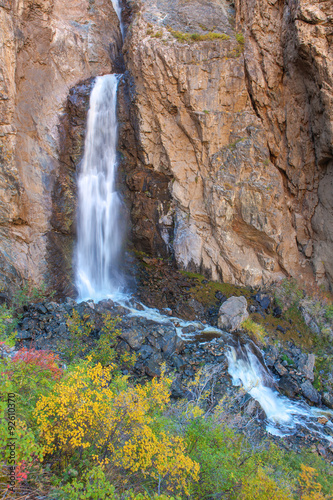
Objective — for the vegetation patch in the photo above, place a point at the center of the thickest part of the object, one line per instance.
(197, 37)
(205, 291)
(256, 332)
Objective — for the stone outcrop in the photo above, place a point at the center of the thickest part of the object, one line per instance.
(47, 47)
(242, 126)
(289, 66)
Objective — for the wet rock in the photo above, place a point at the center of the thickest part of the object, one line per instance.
(171, 344)
(177, 390)
(288, 386)
(24, 335)
(220, 297)
(252, 408)
(189, 329)
(6, 351)
(306, 364)
(60, 330)
(178, 362)
(41, 309)
(232, 313)
(71, 302)
(197, 307)
(310, 392)
(145, 352)
(321, 450)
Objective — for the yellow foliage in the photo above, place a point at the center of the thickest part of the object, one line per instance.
(89, 409)
(261, 486)
(161, 457)
(258, 332)
(309, 488)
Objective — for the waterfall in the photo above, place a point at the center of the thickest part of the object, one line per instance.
(99, 224)
(117, 8)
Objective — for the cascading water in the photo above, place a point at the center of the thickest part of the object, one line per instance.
(284, 417)
(117, 8)
(99, 244)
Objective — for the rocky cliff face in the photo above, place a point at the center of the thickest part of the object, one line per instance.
(241, 125)
(289, 66)
(47, 47)
(225, 133)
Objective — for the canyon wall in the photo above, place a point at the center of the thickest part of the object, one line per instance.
(225, 138)
(46, 48)
(241, 128)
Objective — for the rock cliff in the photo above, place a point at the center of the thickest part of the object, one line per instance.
(225, 133)
(242, 125)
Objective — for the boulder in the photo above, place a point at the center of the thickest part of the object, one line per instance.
(135, 339)
(328, 399)
(306, 364)
(232, 313)
(288, 386)
(310, 392)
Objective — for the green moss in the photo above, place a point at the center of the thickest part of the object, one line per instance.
(204, 290)
(197, 37)
(296, 331)
(286, 358)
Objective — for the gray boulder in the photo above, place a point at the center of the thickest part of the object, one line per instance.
(306, 364)
(328, 399)
(232, 313)
(310, 392)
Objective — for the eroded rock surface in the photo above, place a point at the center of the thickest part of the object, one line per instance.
(245, 136)
(289, 65)
(46, 48)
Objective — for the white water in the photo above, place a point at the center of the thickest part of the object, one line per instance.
(117, 8)
(284, 417)
(99, 244)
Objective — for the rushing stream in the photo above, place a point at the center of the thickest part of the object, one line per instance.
(284, 416)
(99, 251)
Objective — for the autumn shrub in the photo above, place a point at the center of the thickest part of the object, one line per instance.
(18, 444)
(32, 374)
(7, 326)
(41, 360)
(92, 410)
(230, 467)
(104, 350)
(28, 294)
(79, 329)
(309, 488)
(94, 485)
